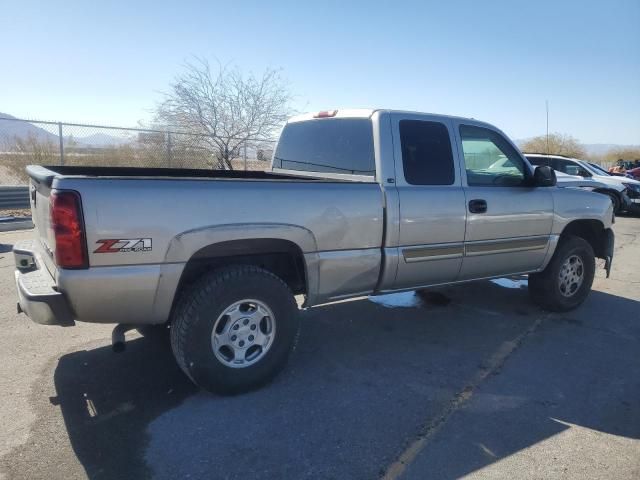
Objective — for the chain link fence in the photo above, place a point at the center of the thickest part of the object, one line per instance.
(25, 142)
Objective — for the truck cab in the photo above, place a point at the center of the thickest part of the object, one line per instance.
(451, 215)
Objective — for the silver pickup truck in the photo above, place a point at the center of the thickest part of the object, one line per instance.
(358, 202)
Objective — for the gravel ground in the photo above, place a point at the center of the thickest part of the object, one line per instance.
(472, 381)
(16, 212)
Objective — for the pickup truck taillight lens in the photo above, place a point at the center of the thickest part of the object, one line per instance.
(68, 229)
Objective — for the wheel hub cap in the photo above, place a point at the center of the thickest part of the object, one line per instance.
(243, 333)
(571, 276)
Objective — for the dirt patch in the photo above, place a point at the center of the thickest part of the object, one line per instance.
(8, 177)
(16, 212)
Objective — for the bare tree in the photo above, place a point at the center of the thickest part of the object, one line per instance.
(230, 111)
(623, 153)
(557, 144)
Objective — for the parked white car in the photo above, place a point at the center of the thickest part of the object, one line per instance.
(564, 179)
(624, 192)
(584, 183)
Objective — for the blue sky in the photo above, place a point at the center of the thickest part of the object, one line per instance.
(106, 62)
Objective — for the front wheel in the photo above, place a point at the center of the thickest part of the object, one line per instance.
(565, 283)
(234, 328)
(615, 201)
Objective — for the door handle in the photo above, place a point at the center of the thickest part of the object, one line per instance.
(478, 206)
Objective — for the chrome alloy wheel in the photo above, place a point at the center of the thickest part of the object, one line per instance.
(243, 333)
(571, 276)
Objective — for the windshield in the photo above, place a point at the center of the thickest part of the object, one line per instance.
(590, 168)
(599, 170)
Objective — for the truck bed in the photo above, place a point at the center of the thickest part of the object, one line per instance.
(46, 174)
(337, 225)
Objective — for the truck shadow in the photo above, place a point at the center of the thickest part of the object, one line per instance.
(366, 378)
(107, 399)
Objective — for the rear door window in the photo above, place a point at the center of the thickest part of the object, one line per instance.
(327, 145)
(426, 153)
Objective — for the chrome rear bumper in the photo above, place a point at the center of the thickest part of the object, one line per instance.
(37, 292)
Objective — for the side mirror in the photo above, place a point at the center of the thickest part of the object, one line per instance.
(544, 176)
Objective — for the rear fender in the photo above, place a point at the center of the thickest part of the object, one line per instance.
(184, 245)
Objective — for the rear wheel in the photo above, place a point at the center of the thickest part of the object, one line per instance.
(234, 328)
(565, 283)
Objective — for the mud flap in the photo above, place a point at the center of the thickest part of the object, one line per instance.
(609, 241)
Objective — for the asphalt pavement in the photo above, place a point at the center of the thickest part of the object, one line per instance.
(472, 381)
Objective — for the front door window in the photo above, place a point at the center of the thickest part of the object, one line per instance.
(490, 160)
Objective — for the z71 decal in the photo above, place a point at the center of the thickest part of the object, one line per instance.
(124, 245)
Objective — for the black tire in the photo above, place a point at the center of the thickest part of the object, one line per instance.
(615, 201)
(545, 287)
(200, 306)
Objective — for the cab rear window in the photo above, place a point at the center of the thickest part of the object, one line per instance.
(327, 145)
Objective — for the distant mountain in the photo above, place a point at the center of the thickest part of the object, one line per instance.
(593, 149)
(12, 128)
(101, 140)
(596, 149)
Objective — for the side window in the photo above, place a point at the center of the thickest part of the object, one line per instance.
(489, 159)
(563, 166)
(583, 172)
(554, 163)
(426, 153)
(571, 168)
(538, 161)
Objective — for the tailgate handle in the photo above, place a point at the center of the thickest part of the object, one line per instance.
(478, 206)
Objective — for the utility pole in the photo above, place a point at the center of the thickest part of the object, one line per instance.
(547, 105)
(61, 143)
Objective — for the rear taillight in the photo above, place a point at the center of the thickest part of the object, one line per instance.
(68, 229)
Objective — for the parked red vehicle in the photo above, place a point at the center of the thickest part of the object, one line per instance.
(635, 172)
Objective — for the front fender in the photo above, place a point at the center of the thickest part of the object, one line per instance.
(609, 244)
(570, 205)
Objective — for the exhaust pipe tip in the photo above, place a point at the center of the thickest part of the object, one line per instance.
(118, 343)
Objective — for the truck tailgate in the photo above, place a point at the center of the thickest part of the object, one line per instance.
(39, 194)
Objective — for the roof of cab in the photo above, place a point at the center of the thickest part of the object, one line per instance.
(339, 113)
(548, 155)
(368, 112)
